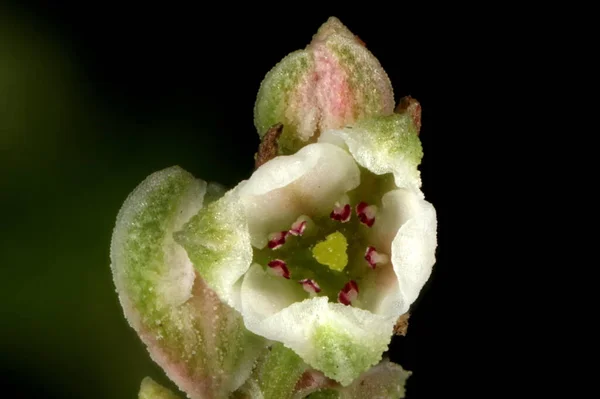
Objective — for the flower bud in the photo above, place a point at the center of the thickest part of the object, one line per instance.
(333, 82)
(200, 342)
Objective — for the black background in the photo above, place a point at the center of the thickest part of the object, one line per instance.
(152, 86)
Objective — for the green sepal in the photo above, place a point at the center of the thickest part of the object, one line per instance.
(153, 390)
(280, 372)
(384, 144)
(275, 377)
(218, 243)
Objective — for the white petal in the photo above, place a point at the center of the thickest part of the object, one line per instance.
(341, 341)
(306, 183)
(264, 295)
(405, 229)
(413, 251)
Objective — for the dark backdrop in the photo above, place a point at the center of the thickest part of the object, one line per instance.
(95, 97)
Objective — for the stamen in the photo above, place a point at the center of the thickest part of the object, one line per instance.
(299, 226)
(366, 213)
(375, 258)
(276, 240)
(310, 286)
(349, 293)
(279, 268)
(341, 211)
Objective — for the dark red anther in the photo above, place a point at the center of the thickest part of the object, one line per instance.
(310, 286)
(366, 213)
(349, 293)
(298, 228)
(375, 258)
(276, 240)
(341, 213)
(279, 268)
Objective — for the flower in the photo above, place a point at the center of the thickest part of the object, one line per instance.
(293, 281)
(259, 245)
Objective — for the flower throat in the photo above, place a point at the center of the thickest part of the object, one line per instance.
(329, 255)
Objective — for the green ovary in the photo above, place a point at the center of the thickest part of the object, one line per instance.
(332, 251)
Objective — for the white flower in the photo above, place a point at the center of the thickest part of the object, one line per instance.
(324, 249)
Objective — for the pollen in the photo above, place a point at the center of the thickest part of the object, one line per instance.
(332, 251)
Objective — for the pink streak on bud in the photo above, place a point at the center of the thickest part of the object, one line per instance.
(279, 268)
(334, 94)
(276, 240)
(375, 258)
(298, 228)
(310, 286)
(366, 213)
(349, 293)
(341, 213)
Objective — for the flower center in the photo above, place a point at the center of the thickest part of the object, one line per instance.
(330, 254)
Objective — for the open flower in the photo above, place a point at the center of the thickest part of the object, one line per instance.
(324, 249)
(293, 281)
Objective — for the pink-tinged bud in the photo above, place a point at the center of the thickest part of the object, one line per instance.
(375, 258)
(333, 82)
(366, 213)
(310, 286)
(349, 293)
(298, 227)
(279, 268)
(276, 240)
(341, 213)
